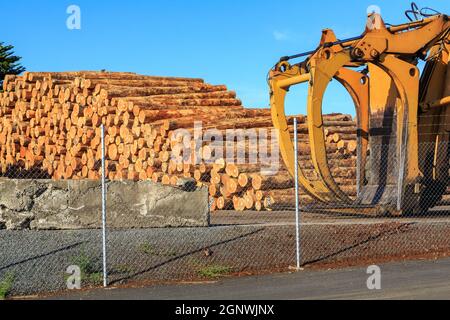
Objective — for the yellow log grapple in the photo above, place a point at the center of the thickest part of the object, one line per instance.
(402, 115)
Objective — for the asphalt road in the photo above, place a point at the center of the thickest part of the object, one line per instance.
(408, 280)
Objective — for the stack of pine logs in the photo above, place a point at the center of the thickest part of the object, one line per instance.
(246, 187)
(50, 128)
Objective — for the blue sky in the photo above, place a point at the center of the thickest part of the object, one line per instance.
(224, 42)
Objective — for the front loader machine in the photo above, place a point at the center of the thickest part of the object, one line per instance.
(402, 114)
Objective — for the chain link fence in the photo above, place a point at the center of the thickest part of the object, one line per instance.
(52, 232)
(371, 228)
(217, 222)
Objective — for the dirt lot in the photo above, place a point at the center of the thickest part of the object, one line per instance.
(237, 244)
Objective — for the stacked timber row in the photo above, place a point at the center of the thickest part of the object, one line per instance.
(246, 187)
(50, 128)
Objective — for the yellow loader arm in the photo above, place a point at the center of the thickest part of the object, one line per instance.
(393, 103)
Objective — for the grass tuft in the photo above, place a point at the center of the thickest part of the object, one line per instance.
(214, 271)
(147, 248)
(90, 271)
(6, 285)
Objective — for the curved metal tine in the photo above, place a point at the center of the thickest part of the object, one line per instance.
(323, 69)
(316, 189)
(357, 85)
(406, 79)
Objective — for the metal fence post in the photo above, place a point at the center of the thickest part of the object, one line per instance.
(105, 273)
(297, 200)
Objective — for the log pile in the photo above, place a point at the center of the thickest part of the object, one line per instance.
(50, 128)
(250, 187)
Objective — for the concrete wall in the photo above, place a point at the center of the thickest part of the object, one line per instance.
(73, 204)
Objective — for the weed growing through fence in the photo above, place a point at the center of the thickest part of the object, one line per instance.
(89, 268)
(147, 248)
(6, 285)
(214, 271)
(123, 269)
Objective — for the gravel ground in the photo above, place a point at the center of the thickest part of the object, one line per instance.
(253, 243)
